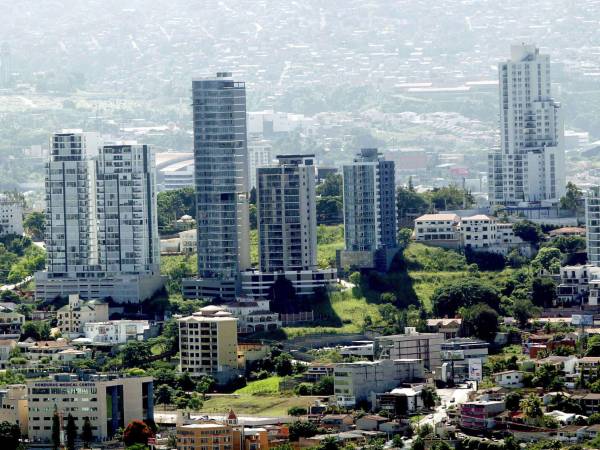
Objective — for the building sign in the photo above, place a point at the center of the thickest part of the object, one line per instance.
(475, 369)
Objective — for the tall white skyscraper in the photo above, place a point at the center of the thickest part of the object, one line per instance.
(221, 177)
(529, 165)
(287, 215)
(71, 231)
(126, 203)
(101, 227)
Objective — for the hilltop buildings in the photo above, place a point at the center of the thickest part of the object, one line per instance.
(529, 166)
(221, 177)
(101, 232)
(287, 228)
(369, 211)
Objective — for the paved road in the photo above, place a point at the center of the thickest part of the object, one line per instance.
(460, 395)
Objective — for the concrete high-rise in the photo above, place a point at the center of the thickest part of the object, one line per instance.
(592, 228)
(369, 202)
(287, 229)
(287, 214)
(529, 166)
(71, 231)
(101, 227)
(126, 203)
(221, 178)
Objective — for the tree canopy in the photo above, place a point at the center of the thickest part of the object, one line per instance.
(448, 299)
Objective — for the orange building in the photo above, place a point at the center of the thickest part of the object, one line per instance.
(204, 436)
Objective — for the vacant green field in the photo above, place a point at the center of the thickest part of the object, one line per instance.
(347, 316)
(265, 405)
(268, 386)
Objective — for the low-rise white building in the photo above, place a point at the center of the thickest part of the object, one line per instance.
(187, 241)
(253, 315)
(10, 324)
(359, 381)
(6, 347)
(576, 283)
(478, 232)
(509, 379)
(115, 331)
(438, 228)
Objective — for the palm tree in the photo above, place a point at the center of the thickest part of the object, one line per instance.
(531, 407)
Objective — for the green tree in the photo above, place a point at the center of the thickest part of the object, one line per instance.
(409, 204)
(529, 232)
(10, 435)
(87, 434)
(35, 225)
(513, 401)
(450, 197)
(283, 365)
(163, 395)
(572, 197)
(523, 309)
(543, 292)
(331, 186)
(480, 320)
(330, 210)
(531, 406)
(136, 354)
(429, 397)
(418, 444)
(404, 237)
(71, 432)
(300, 429)
(548, 258)
(448, 299)
(55, 429)
(297, 411)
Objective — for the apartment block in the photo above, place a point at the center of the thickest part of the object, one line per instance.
(11, 216)
(101, 232)
(529, 165)
(359, 381)
(369, 208)
(109, 402)
(208, 344)
(412, 345)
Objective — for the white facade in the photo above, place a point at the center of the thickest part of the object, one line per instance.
(412, 345)
(115, 331)
(478, 231)
(437, 227)
(260, 154)
(71, 231)
(576, 282)
(11, 216)
(509, 379)
(359, 381)
(101, 232)
(529, 166)
(253, 315)
(187, 241)
(127, 216)
(287, 214)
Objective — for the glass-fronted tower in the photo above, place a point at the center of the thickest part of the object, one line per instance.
(221, 180)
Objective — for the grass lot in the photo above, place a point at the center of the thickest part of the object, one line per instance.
(272, 406)
(347, 316)
(268, 386)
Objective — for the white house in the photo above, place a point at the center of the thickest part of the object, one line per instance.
(509, 379)
(437, 227)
